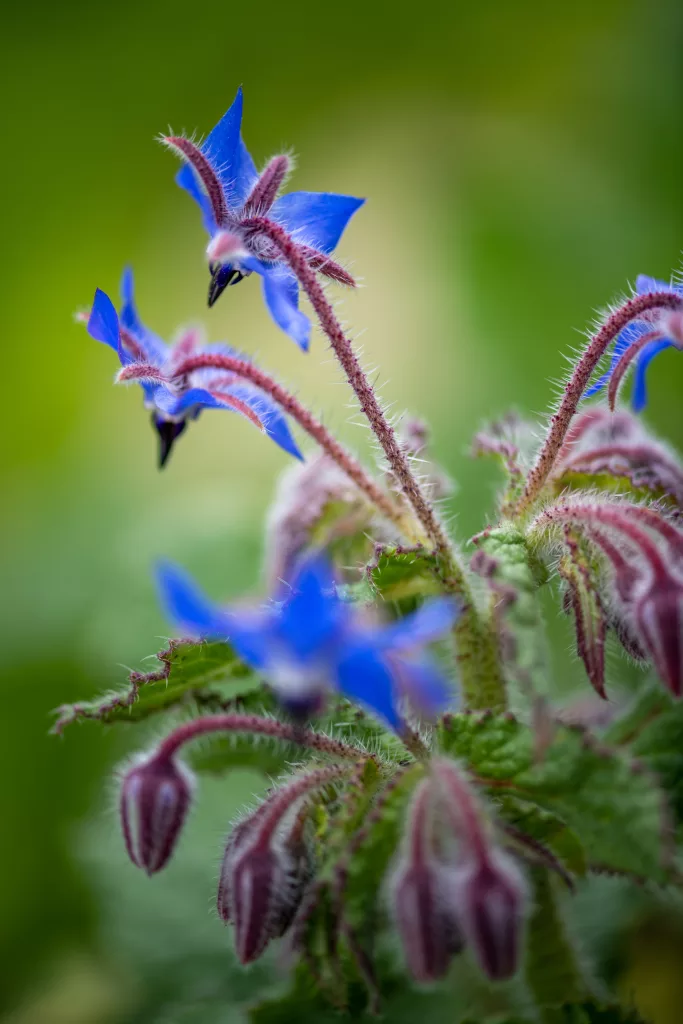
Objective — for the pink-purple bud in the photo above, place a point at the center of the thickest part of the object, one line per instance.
(484, 884)
(491, 894)
(266, 866)
(155, 798)
(658, 616)
(425, 918)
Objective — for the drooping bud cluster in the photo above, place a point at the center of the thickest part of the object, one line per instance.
(619, 445)
(421, 902)
(267, 864)
(156, 793)
(643, 549)
(453, 884)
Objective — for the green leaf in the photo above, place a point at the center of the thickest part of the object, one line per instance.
(545, 828)
(404, 575)
(654, 728)
(550, 965)
(187, 668)
(611, 804)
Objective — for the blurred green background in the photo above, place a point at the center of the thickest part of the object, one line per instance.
(522, 163)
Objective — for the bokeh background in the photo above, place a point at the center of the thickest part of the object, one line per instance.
(522, 163)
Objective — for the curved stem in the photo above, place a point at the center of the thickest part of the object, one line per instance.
(477, 651)
(559, 423)
(306, 421)
(262, 726)
(381, 428)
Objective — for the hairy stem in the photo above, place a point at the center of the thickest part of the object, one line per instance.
(261, 726)
(560, 421)
(342, 347)
(313, 427)
(476, 646)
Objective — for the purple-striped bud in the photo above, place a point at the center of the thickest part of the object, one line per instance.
(155, 797)
(658, 617)
(491, 895)
(266, 866)
(485, 885)
(420, 898)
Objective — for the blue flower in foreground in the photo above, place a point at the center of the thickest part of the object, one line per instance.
(221, 177)
(309, 642)
(175, 398)
(636, 330)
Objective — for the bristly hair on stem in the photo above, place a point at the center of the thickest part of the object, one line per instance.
(363, 390)
(573, 392)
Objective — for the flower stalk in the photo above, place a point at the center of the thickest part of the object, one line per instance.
(573, 392)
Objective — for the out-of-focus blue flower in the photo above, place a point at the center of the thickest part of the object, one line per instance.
(309, 642)
(175, 400)
(631, 334)
(221, 177)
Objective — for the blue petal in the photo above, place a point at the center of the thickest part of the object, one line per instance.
(188, 180)
(363, 676)
(427, 624)
(153, 347)
(251, 634)
(243, 174)
(270, 414)
(103, 323)
(185, 403)
(281, 294)
(229, 156)
(316, 218)
(645, 284)
(313, 619)
(639, 395)
(186, 606)
(425, 686)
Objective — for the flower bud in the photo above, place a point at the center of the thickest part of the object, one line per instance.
(425, 920)
(485, 885)
(490, 894)
(266, 866)
(659, 620)
(155, 797)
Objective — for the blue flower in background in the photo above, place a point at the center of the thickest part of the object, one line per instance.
(175, 400)
(631, 334)
(309, 642)
(221, 177)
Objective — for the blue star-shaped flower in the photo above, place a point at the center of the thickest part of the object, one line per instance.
(309, 642)
(221, 177)
(174, 399)
(634, 331)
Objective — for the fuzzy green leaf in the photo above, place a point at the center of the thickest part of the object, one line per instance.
(613, 807)
(550, 965)
(654, 727)
(186, 668)
(404, 575)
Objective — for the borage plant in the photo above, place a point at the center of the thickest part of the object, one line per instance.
(437, 809)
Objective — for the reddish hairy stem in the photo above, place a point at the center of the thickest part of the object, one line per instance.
(624, 363)
(283, 799)
(382, 430)
(462, 809)
(304, 418)
(560, 421)
(262, 726)
(206, 174)
(265, 190)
